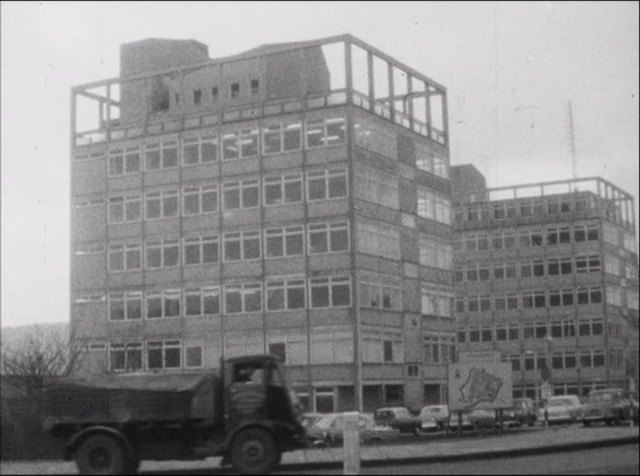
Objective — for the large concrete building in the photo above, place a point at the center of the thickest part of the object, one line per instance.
(547, 275)
(292, 199)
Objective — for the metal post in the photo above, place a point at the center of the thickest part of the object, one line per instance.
(351, 444)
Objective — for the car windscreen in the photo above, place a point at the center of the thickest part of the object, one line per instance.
(600, 397)
(324, 423)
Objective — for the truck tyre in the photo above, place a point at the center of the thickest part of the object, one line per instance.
(254, 452)
(101, 454)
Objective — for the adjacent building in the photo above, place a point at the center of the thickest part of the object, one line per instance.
(292, 199)
(547, 274)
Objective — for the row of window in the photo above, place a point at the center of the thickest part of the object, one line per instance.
(526, 208)
(528, 269)
(530, 300)
(326, 346)
(236, 194)
(438, 349)
(154, 355)
(279, 294)
(562, 329)
(560, 360)
(509, 239)
(231, 145)
(237, 246)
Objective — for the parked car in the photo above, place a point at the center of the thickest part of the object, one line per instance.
(522, 413)
(329, 431)
(399, 418)
(609, 405)
(482, 419)
(309, 419)
(562, 409)
(434, 417)
(454, 421)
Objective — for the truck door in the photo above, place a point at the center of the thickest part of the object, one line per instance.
(279, 406)
(246, 392)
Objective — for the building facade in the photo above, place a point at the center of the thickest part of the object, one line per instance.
(293, 199)
(547, 274)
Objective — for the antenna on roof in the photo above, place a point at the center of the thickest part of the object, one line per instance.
(573, 142)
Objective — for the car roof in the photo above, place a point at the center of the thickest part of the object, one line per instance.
(606, 390)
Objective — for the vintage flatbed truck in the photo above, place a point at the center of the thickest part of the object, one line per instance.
(244, 413)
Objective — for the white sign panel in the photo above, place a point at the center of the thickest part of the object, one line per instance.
(486, 385)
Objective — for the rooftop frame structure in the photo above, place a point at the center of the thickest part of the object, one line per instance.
(622, 202)
(359, 74)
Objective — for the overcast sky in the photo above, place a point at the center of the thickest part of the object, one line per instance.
(540, 55)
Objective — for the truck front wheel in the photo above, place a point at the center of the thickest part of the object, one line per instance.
(254, 452)
(101, 454)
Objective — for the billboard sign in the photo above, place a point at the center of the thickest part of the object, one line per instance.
(485, 385)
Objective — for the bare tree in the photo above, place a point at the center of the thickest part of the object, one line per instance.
(42, 357)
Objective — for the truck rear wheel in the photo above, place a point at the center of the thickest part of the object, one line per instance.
(254, 452)
(101, 454)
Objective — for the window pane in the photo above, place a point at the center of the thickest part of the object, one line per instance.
(252, 248)
(172, 306)
(316, 189)
(319, 242)
(154, 358)
(116, 310)
(193, 357)
(273, 194)
(250, 197)
(172, 358)
(134, 308)
(275, 299)
(232, 250)
(253, 300)
(170, 157)
(340, 295)
(295, 298)
(274, 246)
(320, 296)
(192, 254)
(209, 201)
(292, 192)
(209, 152)
(190, 153)
(232, 301)
(212, 304)
(339, 240)
(292, 137)
(153, 208)
(272, 140)
(337, 187)
(210, 252)
(154, 307)
(194, 305)
(171, 256)
(231, 199)
(294, 244)
(170, 206)
(154, 258)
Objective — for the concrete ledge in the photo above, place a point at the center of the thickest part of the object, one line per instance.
(487, 454)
